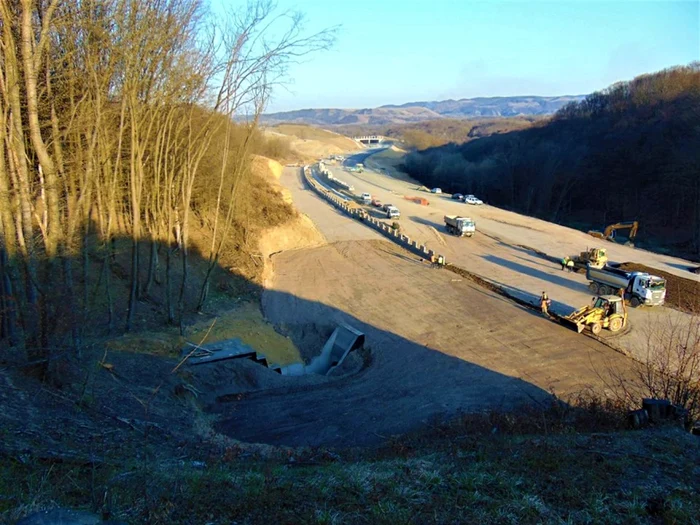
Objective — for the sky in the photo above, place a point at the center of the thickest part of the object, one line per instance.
(397, 51)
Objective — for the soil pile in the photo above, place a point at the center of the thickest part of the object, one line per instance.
(683, 294)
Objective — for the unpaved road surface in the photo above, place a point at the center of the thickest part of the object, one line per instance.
(499, 251)
(439, 346)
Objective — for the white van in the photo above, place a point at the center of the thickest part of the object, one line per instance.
(392, 212)
(366, 198)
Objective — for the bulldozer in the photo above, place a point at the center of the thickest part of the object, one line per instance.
(595, 257)
(609, 233)
(605, 311)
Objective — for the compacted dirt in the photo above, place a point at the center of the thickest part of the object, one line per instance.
(438, 345)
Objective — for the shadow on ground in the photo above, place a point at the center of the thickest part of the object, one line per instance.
(401, 387)
(547, 278)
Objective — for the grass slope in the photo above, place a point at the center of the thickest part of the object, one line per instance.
(631, 477)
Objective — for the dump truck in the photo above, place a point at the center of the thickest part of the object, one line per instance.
(605, 311)
(639, 287)
(595, 257)
(459, 226)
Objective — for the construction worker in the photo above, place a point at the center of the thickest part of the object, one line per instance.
(564, 261)
(437, 261)
(544, 303)
(570, 265)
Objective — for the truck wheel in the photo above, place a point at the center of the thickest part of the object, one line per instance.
(615, 324)
(593, 287)
(469, 234)
(635, 302)
(596, 328)
(603, 290)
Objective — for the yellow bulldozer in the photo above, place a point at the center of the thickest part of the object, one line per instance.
(609, 233)
(595, 257)
(605, 311)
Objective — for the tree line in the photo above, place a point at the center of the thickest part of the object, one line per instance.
(117, 121)
(629, 152)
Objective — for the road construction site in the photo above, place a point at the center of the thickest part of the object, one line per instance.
(437, 344)
(516, 253)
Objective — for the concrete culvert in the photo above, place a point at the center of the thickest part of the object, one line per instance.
(309, 338)
(344, 340)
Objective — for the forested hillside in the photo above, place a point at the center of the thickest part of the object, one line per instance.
(630, 152)
(120, 163)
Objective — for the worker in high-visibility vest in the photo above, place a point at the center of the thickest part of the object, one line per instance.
(545, 303)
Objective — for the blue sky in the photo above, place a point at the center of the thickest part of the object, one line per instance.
(396, 51)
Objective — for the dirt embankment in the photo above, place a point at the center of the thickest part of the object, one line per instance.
(683, 294)
(309, 143)
(298, 232)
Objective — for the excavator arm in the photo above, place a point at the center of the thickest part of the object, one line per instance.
(631, 226)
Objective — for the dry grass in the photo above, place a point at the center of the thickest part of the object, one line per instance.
(630, 477)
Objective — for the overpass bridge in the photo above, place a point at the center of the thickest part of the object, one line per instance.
(369, 139)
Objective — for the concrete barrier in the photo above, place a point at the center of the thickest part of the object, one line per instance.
(383, 228)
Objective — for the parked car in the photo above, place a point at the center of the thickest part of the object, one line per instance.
(436, 190)
(458, 196)
(385, 207)
(366, 198)
(470, 199)
(376, 203)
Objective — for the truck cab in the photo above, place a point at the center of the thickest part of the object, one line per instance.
(647, 289)
(392, 212)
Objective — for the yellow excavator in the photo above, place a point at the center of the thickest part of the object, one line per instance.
(605, 311)
(609, 233)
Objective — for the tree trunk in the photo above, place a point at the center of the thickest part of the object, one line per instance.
(134, 287)
(152, 268)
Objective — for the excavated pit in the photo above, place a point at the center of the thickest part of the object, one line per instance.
(329, 352)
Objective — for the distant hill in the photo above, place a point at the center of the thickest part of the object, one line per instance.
(630, 152)
(421, 111)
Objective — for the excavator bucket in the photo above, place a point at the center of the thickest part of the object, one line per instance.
(572, 324)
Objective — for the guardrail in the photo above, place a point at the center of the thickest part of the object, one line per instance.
(360, 214)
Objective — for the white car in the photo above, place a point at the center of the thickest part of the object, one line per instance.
(470, 199)
(436, 190)
(366, 198)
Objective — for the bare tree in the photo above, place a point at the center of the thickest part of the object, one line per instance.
(668, 364)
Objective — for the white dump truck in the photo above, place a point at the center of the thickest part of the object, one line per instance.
(640, 288)
(460, 226)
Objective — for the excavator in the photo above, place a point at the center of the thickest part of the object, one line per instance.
(609, 233)
(605, 311)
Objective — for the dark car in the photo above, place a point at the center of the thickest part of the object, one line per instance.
(458, 196)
